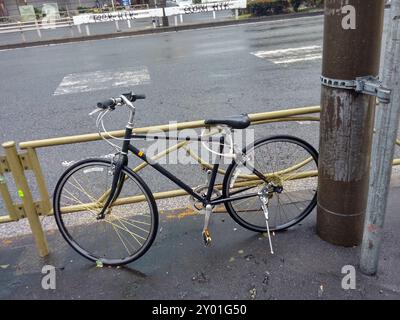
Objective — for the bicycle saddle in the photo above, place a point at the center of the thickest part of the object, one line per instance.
(240, 121)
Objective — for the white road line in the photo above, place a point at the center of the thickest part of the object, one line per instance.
(291, 55)
(304, 58)
(104, 79)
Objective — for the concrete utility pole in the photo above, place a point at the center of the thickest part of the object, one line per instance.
(386, 125)
(352, 44)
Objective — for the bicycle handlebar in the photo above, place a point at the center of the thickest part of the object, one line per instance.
(112, 102)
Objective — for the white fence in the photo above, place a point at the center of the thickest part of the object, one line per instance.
(14, 25)
(159, 12)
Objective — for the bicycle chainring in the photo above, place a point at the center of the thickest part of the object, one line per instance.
(202, 190)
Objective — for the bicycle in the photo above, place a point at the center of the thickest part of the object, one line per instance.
(260, 193)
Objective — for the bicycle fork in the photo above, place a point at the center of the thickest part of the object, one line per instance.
(116, 185)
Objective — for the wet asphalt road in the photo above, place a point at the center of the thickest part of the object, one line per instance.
(190, 75)
(104, 28)
(193, 75)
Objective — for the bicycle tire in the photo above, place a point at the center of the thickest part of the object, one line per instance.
(66, 231)
(230, 173)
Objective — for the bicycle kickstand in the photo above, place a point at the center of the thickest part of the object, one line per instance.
(264, 205)
(206, 234)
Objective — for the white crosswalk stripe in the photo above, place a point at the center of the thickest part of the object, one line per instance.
(291, 55)
(100, 80)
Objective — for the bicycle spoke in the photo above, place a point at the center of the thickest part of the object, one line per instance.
(126, 227)
(288, 164)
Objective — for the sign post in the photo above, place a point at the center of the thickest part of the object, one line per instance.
(386, 128)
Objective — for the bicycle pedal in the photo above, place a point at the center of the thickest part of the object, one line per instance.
(206, 238)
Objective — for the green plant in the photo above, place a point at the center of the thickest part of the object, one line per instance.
(267, 7)
(296, 4)
(38, 12)
(314, 3)
(82, 9)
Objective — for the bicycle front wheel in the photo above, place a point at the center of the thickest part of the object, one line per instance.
(291, 166)
(129, 226)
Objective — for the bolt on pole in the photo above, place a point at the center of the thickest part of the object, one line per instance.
(352, 44)
(386, 128)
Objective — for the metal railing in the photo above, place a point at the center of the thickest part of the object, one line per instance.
(12, 24)
(16, 163)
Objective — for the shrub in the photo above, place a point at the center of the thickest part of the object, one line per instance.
(38, 12)
(314, 3)
(82, 9)
(266, 7)
(296, 4)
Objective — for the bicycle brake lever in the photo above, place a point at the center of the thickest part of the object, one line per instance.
(95, 111)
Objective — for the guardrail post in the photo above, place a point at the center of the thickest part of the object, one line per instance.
(129, 23)
(71, 24)
(22, 31)
(87, 29)
(37, 170)
(5, 193)
(26, 197)
(38, 29)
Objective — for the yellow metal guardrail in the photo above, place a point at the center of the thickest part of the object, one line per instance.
(17, 163)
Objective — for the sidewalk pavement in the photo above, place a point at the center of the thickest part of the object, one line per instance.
(238, 265)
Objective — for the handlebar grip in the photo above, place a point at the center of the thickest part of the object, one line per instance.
(109, 103)
(133, 96)
(140, 96)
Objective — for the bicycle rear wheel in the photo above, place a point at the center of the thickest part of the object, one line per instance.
(129, 226)
(291, 165)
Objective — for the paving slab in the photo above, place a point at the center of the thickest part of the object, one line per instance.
(238, 265)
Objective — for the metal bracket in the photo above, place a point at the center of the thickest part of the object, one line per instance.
(367, 85)
(19, 212)
(25, 161)
(4, 167)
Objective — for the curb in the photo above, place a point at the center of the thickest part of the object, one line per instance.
(161, 30)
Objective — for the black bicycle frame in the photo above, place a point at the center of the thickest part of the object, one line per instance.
(127, 146)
